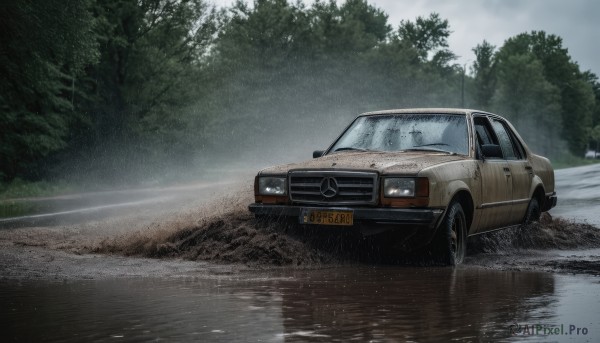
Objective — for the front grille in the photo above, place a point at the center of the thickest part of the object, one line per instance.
(351, 188)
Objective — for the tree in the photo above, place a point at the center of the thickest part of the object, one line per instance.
(152, 53)
(484, 70)
(354, 27)
(577, 98)
(529, 101)
(592, 79)
(337, 60)
(112, 83)
(594, 134)
(429, 36)
(270, 33)
(44, 47)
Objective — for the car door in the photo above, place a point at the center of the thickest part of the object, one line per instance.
(520, 169)
(494, 207)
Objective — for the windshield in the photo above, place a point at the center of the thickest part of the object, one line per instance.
(435, 132)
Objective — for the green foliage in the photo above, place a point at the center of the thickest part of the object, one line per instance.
(282, 67)
(151, 60)
(529, 100)
(274, 32)
(592, 79)
(484, 70)
(44, 47)
(152, 55)
(359, 27)
(98, 86)
(577, 101)
(429, 36)
(19, 188)
(569, 161)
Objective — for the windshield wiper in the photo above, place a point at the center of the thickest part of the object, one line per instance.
(351, 149)
(419, 148)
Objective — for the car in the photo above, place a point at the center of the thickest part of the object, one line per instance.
(431, 176)
(591, 154)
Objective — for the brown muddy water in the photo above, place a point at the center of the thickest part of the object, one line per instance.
(177, 268)
(358, 303)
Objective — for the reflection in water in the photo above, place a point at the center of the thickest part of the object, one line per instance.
(336, 304)
(417, 304)
(137, 309)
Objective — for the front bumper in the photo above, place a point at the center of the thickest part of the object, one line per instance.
(398, 216)
(410, 228)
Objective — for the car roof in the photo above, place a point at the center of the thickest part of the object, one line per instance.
(424, 111)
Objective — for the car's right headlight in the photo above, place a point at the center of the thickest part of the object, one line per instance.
(272, 185)
(399, 187)
(405, 187)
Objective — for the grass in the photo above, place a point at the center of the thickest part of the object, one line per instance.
(19, 188)
(570, 161)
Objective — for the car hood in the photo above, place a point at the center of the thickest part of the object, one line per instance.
(382, 162)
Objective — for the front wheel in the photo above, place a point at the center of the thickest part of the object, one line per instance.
(449, 246)
(533, 212)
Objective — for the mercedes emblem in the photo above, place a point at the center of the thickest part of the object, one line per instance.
(329, 187)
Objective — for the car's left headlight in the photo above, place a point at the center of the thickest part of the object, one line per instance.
(399, 187)
(272, 185)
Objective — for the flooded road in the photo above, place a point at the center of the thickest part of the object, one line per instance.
(48, 292)
(578, 192)
(377, 304)
(333, 304)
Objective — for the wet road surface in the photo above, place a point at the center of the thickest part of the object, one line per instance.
(578, 191)
(55, 295)
(376, 304)
(85, 207)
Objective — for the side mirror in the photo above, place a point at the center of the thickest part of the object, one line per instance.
(491, 151)
(318, 153)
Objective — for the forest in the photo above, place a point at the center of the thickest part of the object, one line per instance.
(132, 92)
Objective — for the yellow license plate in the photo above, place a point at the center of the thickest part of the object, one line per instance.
(326, 217)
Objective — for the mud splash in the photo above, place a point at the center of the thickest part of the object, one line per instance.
(225, 231)
(234, 238)
(548, 233)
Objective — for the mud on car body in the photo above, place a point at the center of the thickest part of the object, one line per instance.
(432, 176)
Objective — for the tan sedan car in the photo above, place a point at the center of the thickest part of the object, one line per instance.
(432, 176)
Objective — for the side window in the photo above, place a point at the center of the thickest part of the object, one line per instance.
(484, 132)
(519, 149)
(508, 150)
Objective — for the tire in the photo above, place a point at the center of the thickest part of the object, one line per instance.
(449, 245)
(533, 212)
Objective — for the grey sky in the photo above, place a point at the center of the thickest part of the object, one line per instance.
(472, 21)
